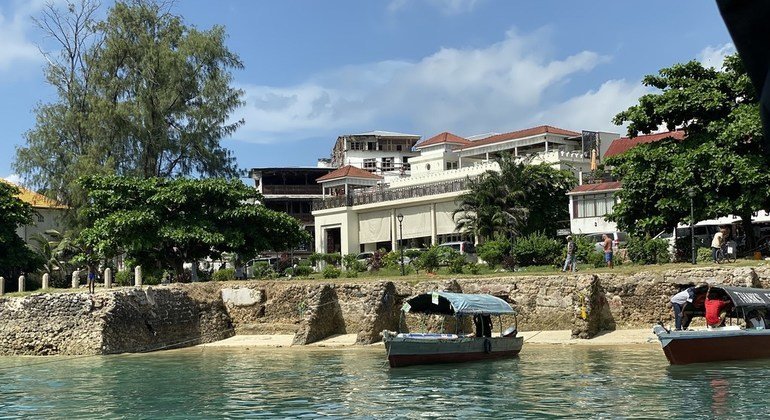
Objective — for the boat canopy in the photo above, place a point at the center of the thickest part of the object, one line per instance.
(446, 303)
(745, 297)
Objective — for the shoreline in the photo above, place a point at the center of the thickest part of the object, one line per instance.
(556, 337)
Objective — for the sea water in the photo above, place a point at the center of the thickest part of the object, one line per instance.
(545, 381)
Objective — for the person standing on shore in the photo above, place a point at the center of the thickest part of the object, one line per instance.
(571, 261)
(607, 244)
(678, 302)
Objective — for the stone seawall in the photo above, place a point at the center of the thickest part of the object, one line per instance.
(137, 320)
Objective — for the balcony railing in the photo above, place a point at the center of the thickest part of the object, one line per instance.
(292, 189)
(368, 196)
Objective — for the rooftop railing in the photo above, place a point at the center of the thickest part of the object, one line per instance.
(370, 196)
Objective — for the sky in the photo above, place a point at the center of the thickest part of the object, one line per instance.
(315, 70)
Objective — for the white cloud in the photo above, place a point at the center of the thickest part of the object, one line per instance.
(594, 110)
(13, 178)
(15, 48)
(495, 88)
(447, 7)
(714, 56)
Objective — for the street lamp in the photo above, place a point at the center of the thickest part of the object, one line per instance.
(400, 218)
(691, 193)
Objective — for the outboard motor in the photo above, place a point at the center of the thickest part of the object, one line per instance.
(510, 332)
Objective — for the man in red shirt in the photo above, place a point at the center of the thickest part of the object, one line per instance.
(716, 309)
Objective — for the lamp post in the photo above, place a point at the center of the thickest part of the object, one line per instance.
(400, 218)
(691, 193)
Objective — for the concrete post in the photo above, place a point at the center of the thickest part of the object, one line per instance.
(2, 286)
(75, 279)
(21, 283)
(194, 272)
(107, 278)
(138, 276)
(46, 278)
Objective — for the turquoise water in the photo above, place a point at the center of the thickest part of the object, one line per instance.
(545, 381)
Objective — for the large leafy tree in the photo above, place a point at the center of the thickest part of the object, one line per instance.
(519, 199)
(15, 256)
(163, 223)
(720, 161)
(139, 93)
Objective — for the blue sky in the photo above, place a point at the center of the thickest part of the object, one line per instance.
(318, 69)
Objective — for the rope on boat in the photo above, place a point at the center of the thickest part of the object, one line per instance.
(548, 328)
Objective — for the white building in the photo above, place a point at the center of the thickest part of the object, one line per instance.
(47, 214)
(382, 152)
(360, 213)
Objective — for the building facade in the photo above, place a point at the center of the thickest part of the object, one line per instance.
(364, 216)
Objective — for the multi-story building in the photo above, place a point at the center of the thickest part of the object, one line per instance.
(47, 215)
(384, 153)
(364, 213)
(291, 191)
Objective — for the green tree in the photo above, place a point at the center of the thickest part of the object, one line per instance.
(720, 160)
(15, 256)
(163, 223)
(139, 94)
(54, 249)
(519, 199)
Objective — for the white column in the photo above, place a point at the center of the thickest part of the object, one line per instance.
(433, 230)
(546, 147)
(515, 151)
(21, 283)
(75, 279)
(46, 278)
(393, 230)
(138, 276)
(107, 278)
(2, 286)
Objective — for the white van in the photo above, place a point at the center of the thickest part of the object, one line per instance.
(465, 248)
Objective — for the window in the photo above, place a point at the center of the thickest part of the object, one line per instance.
(356, 145)
(371, 145)
(387, 164)
(370, 164)
(40, 218)
(451, 165)
(405, 163)
(593, 205)
(398, 147)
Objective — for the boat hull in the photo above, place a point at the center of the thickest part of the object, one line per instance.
(686, 347)
(408, 351)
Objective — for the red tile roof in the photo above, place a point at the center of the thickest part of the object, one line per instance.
(34, 199)
(529, 132)
(601, 186)
(444, 137)
(348, 171)
(623, 144)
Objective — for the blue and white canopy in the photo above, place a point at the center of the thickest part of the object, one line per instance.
(446, 303)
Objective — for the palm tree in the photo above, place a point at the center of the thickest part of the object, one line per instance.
(52, 251)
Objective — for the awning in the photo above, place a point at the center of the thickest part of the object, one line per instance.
(446, 303)
(744, 297)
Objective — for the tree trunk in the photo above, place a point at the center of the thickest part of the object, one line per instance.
(748, 230)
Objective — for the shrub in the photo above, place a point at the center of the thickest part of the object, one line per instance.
(315, 258)
(303, 270)
(333, 258)
(595, 259)
(124, 278)
(260, 269)
(494, 252)
(648, 251)
(536, 249)
(392, 259)
(473, 268)
(456, 262)
(704, 255)
(224, 274)
(204, 275)
(331, 272)
(351, 274)
(430, 259)
(350, 263)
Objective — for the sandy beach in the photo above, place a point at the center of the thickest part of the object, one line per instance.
(558, 337)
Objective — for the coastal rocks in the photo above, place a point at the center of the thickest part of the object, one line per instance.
(323, 317)
(592, 312)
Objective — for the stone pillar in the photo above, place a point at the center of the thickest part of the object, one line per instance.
(194, 271)
(21, 283)
(46, 278)
(75, 279)
(2, 286)
(107, 278)
(138, 276)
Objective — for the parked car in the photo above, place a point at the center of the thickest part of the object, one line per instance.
(619, 240)
(465, 248)
(365, 257)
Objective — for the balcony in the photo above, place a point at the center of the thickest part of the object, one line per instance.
(291, 189)
(369, 196)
